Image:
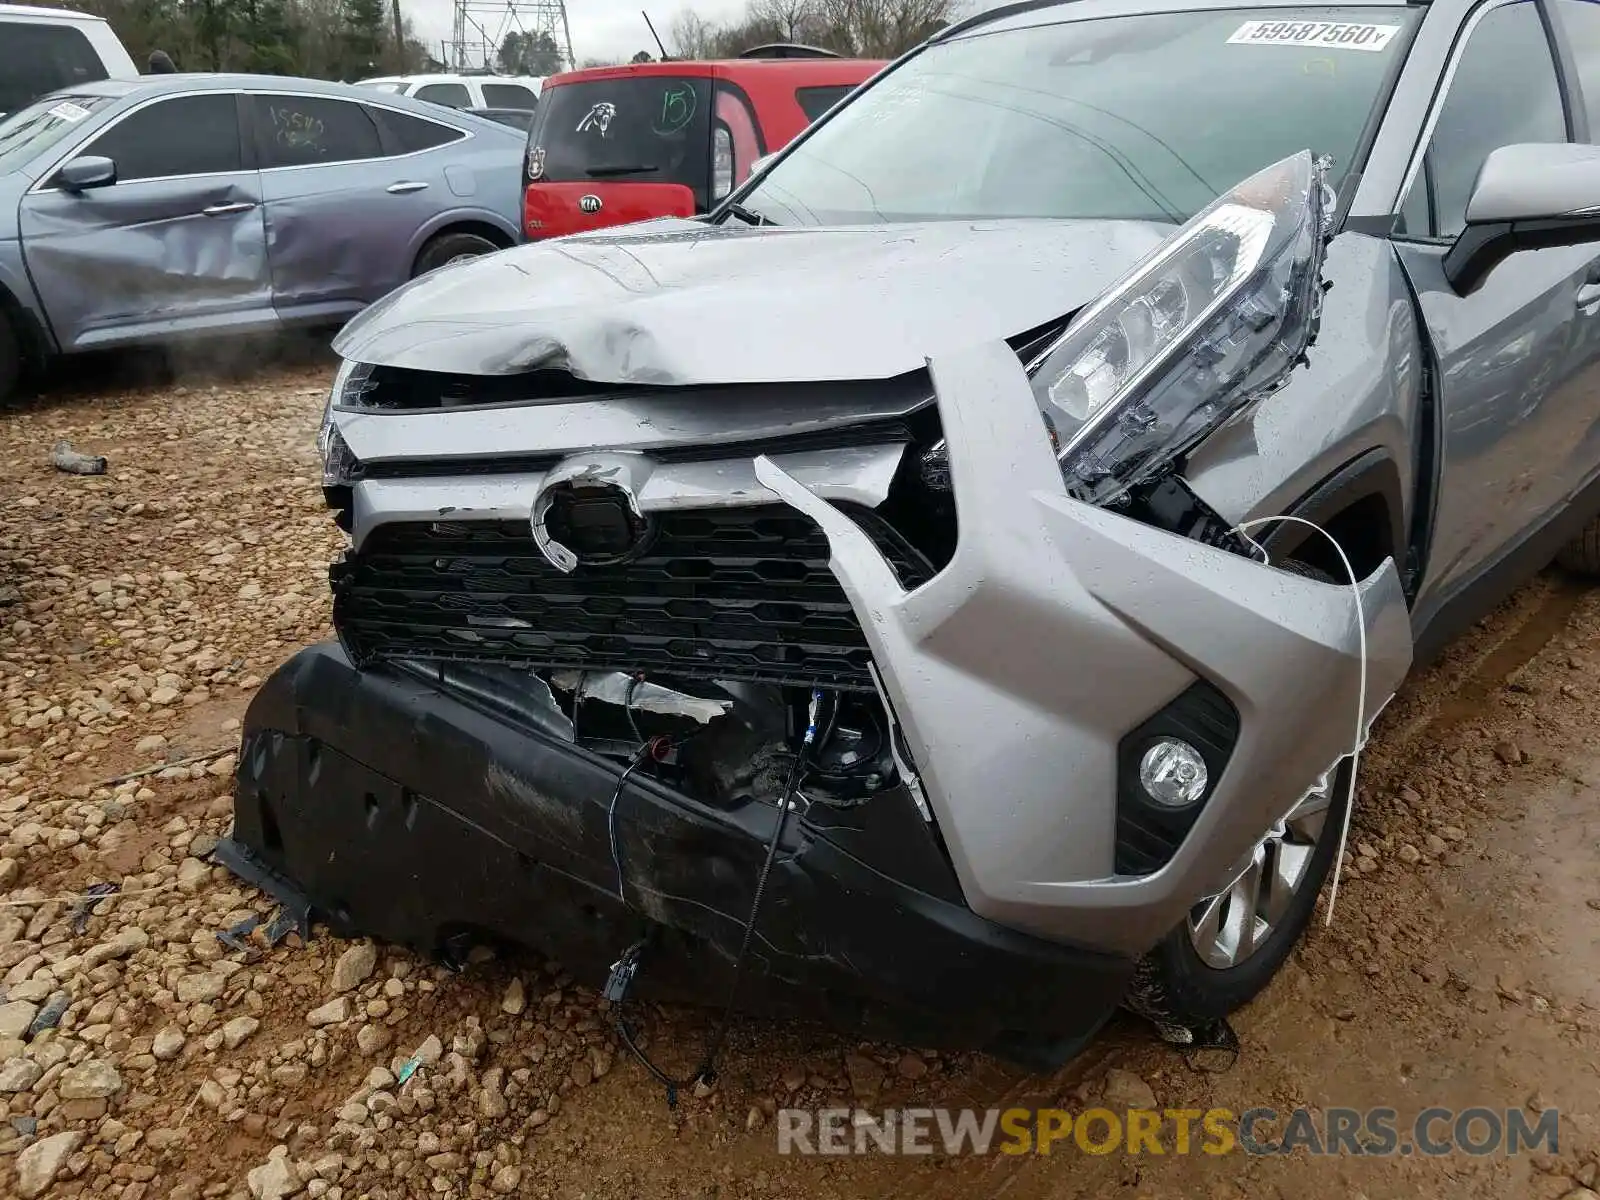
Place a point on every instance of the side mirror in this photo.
(90, 171)
(1528, 197)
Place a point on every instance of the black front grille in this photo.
(719, 593)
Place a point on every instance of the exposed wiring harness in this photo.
(626, 967)
(1242, 529)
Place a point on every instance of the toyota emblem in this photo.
(588, 511)
(589, 203)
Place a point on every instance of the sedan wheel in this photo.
(450, 248)
(10, 358)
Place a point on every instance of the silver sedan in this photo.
(171, 206)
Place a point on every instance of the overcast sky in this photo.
(600, 28)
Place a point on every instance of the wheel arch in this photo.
(1362, 506)
(488, 225)
(32, 337)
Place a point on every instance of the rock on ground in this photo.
(1124, 1089)
(354, 966)
(40, 1163)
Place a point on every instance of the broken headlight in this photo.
(1200, 330)
(339, 464)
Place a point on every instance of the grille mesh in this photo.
(720, 593)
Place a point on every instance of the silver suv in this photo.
(952, 582)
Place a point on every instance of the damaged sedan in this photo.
(947, 588)
(173, 207)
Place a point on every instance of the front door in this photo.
(175, 245)
(1516, 393)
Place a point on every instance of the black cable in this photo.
(622, 972)
(639, 756)
(708, 1070)
(627, 707)
(577, 704)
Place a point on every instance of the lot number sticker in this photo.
(1335, 35)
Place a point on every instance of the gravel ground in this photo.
(141, 1057)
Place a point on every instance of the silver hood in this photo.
(676, 302)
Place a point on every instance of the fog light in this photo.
(1173, 774)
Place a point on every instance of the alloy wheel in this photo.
(1229, 927)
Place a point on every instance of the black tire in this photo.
(10, 358)
(1187, 991)
(448, 247)
(1174, 986)
(1582, 554)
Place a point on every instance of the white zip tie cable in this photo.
(1361, 694)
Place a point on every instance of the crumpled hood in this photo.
(677, 302)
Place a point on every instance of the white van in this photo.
(42, 49)
(464, 91)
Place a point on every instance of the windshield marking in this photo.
(1336, 35)
(677, 110)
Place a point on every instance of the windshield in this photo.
(35, 129)
(1140, 117)
(385, 87)
(632, 129)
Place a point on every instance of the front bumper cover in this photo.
(394, 809)
(1055, 629)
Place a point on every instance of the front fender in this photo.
(1355, 401)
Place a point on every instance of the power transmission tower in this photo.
(480, 27)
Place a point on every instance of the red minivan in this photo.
(668, 139)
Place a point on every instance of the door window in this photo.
(35, 59)
(1580, 20)
(1504, 91)
(814, 101)
(508, 95)
(187, 135)
(452, 95)
(408, 133)
(303, 131)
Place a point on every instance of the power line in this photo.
(473, 48)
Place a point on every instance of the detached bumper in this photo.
(1021, 670)
(396, 810)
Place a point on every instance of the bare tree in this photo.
(794, 20)
(882, 28)
(858, 28)
(691, 35)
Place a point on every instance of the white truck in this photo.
(42, 49)
(464, 91)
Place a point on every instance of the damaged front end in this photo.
(568, 697)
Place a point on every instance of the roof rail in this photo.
(787, 50)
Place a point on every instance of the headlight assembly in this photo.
(1197, 333)
(339, 465)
